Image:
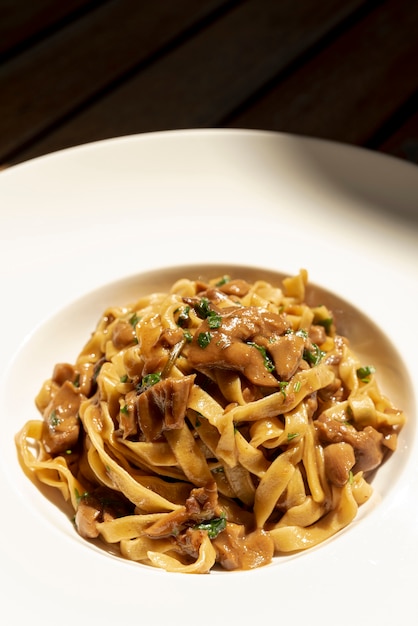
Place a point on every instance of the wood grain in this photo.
(23, 20)
(208, 75)
(72, 67)
(352, 88)
(84, 70)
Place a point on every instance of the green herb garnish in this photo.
(214, 320)
(134, 320)
(268, 363)
(81, 496)
(364, 373)
(204, 339)
(314, 356)
(283, 385)
(203, 309)
(183, 317)
(326, 323)
(54, 420)
(214, 526)
(148, 381)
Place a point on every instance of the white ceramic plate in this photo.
(77, 225)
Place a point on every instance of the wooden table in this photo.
(83, 70)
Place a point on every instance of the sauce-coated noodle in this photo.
(221, 423)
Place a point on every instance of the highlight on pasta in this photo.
(218, 425)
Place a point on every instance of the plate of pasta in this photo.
(207, 385)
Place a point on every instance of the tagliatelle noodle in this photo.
(218, 424)
(291, 538)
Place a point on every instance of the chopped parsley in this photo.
(291, 436)
(214, 526)
(364, 373)
(268, 363)
(134, 320)
(203, 309)
(314, 356)
(204, 339)
(183, 317)
(148, 381)
(283, 385)
(326, 323)
(223, 281)
(54, 420)
(81, 496)
(214, 320)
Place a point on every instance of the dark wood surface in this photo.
(82, 70)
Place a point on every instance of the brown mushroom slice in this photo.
(235, 549)
(339, 460)
(287, 353)
(237, 287)
(61, 425)
(63, 372)
(369, 449)
(128, 420)
(368, 444)
(317, 334)
(123, 334)
(163, 406)
(102, 505)
(200, 506)
(87, 515)
(230, 345)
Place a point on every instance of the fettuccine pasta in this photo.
(219, 424)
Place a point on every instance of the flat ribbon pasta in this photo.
(216, 425)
